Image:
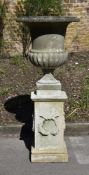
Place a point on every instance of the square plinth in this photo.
(49, 155)
(49, 122)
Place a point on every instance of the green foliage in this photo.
(40, 7)
(36, 8)
(82, 65)
(17, 60)
(2, 8)
(2, 71)
(20, 62)
(5, 90)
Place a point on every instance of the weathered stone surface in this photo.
(49, 121)
(45, 59)
(48, 82)
(48, 19)
(49, 155)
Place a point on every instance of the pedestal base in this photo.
(49, 155)
(49, 121)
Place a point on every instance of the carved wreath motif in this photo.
(48, 126)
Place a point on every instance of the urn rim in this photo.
(46, 19)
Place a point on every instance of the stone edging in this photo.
(77, 129)
(71, 129)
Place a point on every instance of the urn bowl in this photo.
(47, 38)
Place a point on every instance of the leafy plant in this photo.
(39, 7)
(36, 8)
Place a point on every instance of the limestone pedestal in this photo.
(49, 121)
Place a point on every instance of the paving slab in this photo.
(14, 158)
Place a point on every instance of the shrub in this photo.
(40, 7)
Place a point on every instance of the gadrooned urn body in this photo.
(47, 36)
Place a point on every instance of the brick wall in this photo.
(77, 37)
(12, 42)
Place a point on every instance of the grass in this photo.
(2, 71)
(73, 109)
(82, 65)
(84, 103)
(20, 62)
(17, 60)
(5, 90)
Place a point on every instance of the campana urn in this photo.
(47, 51)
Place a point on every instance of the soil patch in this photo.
(18, 77)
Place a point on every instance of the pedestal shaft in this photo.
(49, 122)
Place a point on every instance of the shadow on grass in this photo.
(22, 106)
